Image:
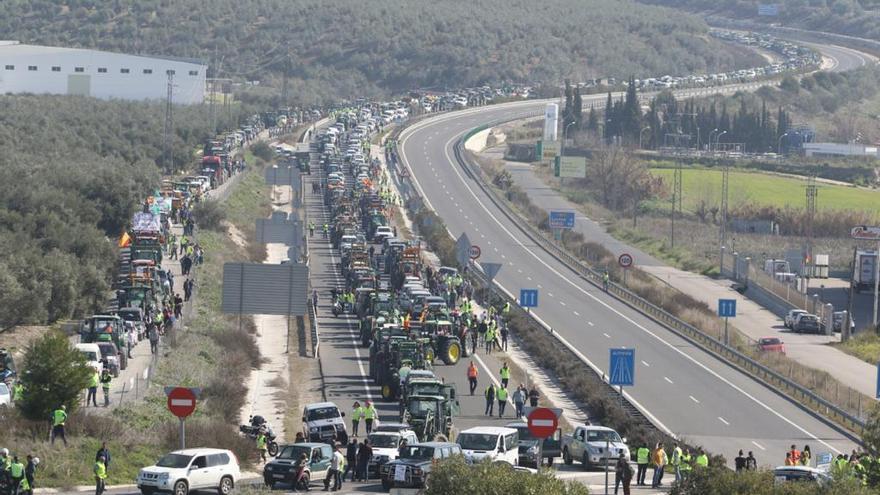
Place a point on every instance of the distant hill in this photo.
(347, 48)
(852, 17)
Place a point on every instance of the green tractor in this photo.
(442, 339)
(380, 351)
(401, 354)
(430, 416)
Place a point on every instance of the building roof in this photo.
(17, 48)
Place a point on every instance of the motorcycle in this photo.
(259, 425)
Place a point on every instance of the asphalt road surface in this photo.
(681, 388)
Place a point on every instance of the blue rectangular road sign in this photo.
(561, 219)
(727, 308)
(528, 298)
(622, 367)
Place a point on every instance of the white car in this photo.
(386, 446)
(322, 421)
(5, 395)
(192, 469)
(791, 317)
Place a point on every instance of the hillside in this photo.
(851, 17)
(340, 48)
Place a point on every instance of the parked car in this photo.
(532, 451)
(792, 316)
(837, 321)
(191, 469)
(385, 446)
(110, 355)
(283, 468)
(322, 421)
(412, 468)
(5, 395)
(784, 474)
(771, 344)
(92, 354)
(497, 444)
(593, 446)
(807, 323)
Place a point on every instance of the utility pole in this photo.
(812, 192)
(169, 125)
(725, 192)
(284, 88)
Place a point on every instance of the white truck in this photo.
(863, 275)
(592, 446)
(323, 422)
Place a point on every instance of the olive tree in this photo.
(54, 373)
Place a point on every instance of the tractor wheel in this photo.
(429, 355)
(451, 352)
(387, 392)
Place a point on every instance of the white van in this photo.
(498, 444)
(93, 355)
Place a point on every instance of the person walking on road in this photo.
(100, 471)
(505, 374)
(92, 395)
(659, 460)
(806, 456)
(519, 400)
(623, 474)
(153, 335)
(106, 378)
(676, 461)
(502, 400)
(15, 471)
(642, 456)
(262, 446)
(351, 459)
(533, 396)
(30, 473)
(365, 454)
(357, 413)
(370, 414)
(740, 462)
(474, 337)
(59, 417)
(490, 399)
(751, 462)
(505, 333)
(472, 376)
(337, 461)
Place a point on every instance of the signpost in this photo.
(182, 403)
(491, 270)
(462, 250)
(625, 261)
(726, 310)
(823, 461)
(622, 367)
(560, 219)
(572, 166)
(528, 298)
(870, 233)
(542, 422)
(474, 252)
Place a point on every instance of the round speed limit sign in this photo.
(625, 260)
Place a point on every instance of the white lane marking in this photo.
(723, 420)
(576, 313)
(590, 323)
(519, 270)
(562, 303)
(756, 444)
(528, 278)
(694, 399)
(646, 364)
(496, 249)
(549, 293)
(606, 335)
(607, 306)
(668, 380)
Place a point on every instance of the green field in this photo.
(765, 190)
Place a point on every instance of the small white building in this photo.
(840, 149)
(106, 75)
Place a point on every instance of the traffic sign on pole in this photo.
(560, 219)
(727, 308)
(542, 422)
(528, 298)
(625, 260)
(462, 250)
(474, 252)
(181, 401)
(491, 269)
(622, 367)
(866, 232)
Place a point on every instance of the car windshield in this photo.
(3, 389)
(771, 341)
(417, 452)
(294, 452)
(426, 389)
(107, 350)
(90, 356)
(177, 461)
(322, 413)
(129, 315)
(421, 407)
(602, 436)
(384, 441)
(524, 433)
(478, 441)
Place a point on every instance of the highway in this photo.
(682, 389)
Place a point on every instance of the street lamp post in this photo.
(779, 144)
(640, 135)
(718, 139)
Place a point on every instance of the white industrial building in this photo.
(106, 75)
(840, 149)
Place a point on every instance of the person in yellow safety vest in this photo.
(357, 413)
(506, 308)
(702, 460)
(59, 417)
(5, 460)
(676, 461)
(16, 473)
(490, 338)
(261, 446)
(18, 392)
(642, 455)
(685, 463)
(505, 375)
(94, 380)
(501, 394)
(370, 414)
(100, 471)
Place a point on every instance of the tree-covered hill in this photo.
(345, 48)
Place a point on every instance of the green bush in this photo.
(486, 478)
(722, 481)
(263, 151)
(209, 215)
(54, 374)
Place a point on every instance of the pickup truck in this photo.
(593, 446)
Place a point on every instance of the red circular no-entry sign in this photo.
(542, 422)
(181, 402)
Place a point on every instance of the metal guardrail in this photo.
(798, 393)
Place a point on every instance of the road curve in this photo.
(683, 389)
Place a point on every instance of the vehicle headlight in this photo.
(533, 449)
(594, 450)
(163, 476)
(313, 429)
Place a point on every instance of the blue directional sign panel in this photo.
(622, 367)
(528, 298)
(561, 219)
(727, 308)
